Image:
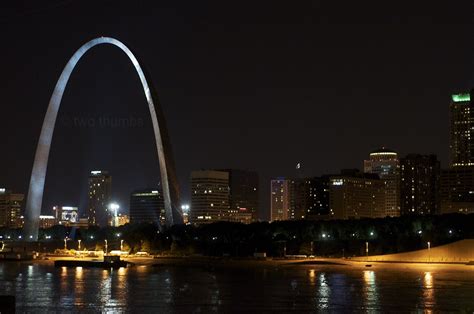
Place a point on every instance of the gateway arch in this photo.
(163, 148)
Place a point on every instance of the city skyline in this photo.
(316, 103)
(166, 156)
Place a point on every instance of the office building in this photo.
(10, 209)
(457, 190)
(243, 200)
(419, 184)
(147, 206)
(279, 199)
(462, 126)
(299, 198)
(210, 196)
(47, 221)
(457, 182)
(100, 184)
(354, 195)
(318, 198)
(384, 163)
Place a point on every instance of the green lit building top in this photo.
(461, 97)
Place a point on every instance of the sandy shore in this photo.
(249, 263)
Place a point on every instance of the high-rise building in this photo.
(100, 184)
(354, 195)
(385, 164)
(462, 127)
(243, 186)
(210, 196)
(318, 198)
(299, 198)
(279, 199)
(457, 183)
(147, 206)
(419, 184)
(457, 190)
(10, 209)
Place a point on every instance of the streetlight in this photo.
(105, 247)
(429, 248)
(121, 245)
(367, 250)
(79, 248)
(65, 243)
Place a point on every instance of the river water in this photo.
(310, 288)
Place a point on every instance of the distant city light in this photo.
(371, 233)
(324, 235)
(420, 232)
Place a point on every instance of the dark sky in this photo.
(256, 85)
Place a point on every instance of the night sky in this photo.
(251, 85)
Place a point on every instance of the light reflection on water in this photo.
(370, 290)
(41, 288)
(428, 290)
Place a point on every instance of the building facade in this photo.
(457, 190)
(318, 198)
(419, 184)
(354, 195)
(457, 182)
(243, 186)
(147, 206)
(210, 196)
(100, 186)
(462, 126)
(10, 209)
(385, 163)
(279, 199)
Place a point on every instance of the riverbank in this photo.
(220, 263)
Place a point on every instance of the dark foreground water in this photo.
(323, 288)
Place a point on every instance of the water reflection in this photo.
(324, 292)
(78, 286)
(370, 290)
(42, 289)
(428, 291)
(312, 276)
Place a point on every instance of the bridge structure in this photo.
(169, 182)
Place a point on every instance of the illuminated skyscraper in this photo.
(462, 127)
(10, 209)
(280, 199)
(457, 183)
(100, 184)
(210, 196)
(385, 164)
(419, 185)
